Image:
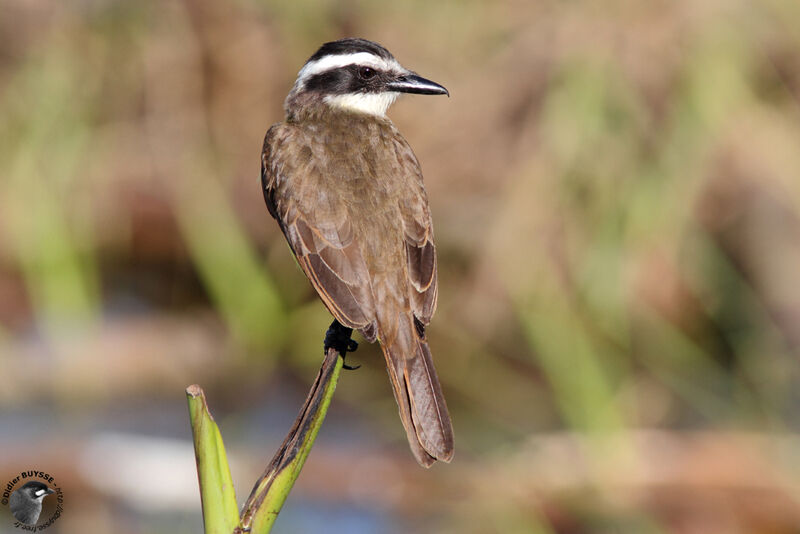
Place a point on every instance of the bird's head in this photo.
(35, 490)
(355, 75)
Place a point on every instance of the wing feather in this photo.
(323, 245)
(418, 231)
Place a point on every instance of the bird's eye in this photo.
(366, 73)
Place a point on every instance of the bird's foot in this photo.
(338, 337)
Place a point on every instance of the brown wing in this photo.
(418, 232)
(322, 239)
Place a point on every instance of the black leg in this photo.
(338, 337)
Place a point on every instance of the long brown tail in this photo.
(419, 395)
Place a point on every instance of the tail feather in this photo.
(419, 395)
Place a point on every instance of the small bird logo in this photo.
(347, 191)
(26, 502)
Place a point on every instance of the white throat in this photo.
(370, 103)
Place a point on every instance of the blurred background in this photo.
(617, 208)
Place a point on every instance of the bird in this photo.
(26, 502)
(347, 192)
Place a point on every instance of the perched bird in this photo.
(347, 192)
(26, 502)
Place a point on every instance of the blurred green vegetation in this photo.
(617, 206)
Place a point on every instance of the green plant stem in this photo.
(272, 488)
(220, 514)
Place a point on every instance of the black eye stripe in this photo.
(348, 79)
(331, 81)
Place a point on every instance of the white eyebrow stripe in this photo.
(334, 62)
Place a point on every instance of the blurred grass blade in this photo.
(573, 363)
(271, 490)
(220, 513)
(45, 114)
(241, 288)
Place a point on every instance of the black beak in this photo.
(411, 83)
